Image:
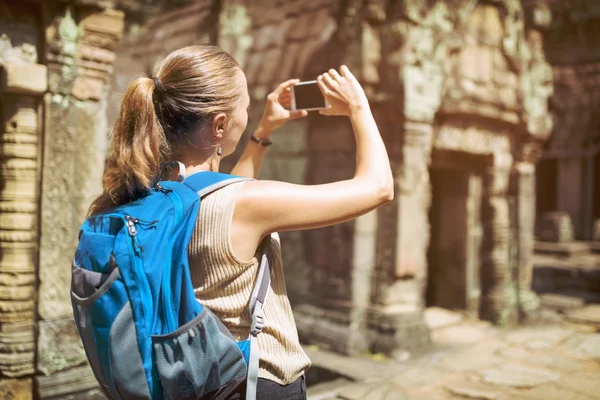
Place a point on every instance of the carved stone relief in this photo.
(22, 83)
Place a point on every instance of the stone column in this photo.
(409, 95)
(342, 256)
(80, 52)
(22, 87)
(499, 295)
(524, 175)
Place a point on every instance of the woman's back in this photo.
(224, 283)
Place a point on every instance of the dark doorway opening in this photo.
(546, 185)
(454, 254)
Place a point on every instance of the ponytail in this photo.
(193, 85)
(138, 147)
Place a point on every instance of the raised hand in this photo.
(343, 92)
(275, 113)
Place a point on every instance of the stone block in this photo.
(59, 346)
(24, 79)
(291, 140)
(331, 134)
(110, 22)
(16, 389)
(285, 168)
(17, 338)
(74, 155)
(437, 317)
(270, 63)
(560, 302)
(88, 88)
(596, 235)
(288, 66)
(270, 35)
(77, 383)
(556, 227)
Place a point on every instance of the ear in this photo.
(218, 125)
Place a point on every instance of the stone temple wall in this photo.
(55, 62)
(569, 175)
(459, 89)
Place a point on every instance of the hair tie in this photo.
(157, 85)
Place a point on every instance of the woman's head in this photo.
(194, 104)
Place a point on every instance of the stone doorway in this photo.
(596, 199)
(546, 185)
(454, 255)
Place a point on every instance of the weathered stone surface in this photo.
(73, 164)
(585, 346)
(24, 79)
(539, 338)
(439, 318)
(556, 227)
(59, 346)
(78, 382)
(16, 389)
(375, 391)
(518, 376)
(560, 302)
(470, 392)
(589, 314)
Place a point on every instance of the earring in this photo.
(219, 151)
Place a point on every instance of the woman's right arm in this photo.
(270, 206)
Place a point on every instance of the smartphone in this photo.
(307, 96)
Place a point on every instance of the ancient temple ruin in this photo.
(569, 172)
(460, 91)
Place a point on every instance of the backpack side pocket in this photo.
(198, 358)
(105, 324)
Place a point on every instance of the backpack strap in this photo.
(207, 182)
(257, 302)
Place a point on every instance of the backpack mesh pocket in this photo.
(103, 317)
(198, 358)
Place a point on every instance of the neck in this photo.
(212, 164)
(195, 165)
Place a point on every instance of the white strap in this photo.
(252, 380)
(257, 301)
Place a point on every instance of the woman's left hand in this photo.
(276, 112)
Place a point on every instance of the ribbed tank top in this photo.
(223, 283)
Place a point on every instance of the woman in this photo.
(194, 110)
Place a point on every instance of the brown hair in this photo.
(194, 85)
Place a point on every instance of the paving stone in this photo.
(539, 337)
(464, 333)
(518, 376)
(414, 378)
(480, 355)
(437, 317)
(513, 353)
(474, 393)
(373, 391)
(551, 392)
(587, 382)
(556, 362)
(583, 346)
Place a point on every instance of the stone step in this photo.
(560, 302)
(564, 249)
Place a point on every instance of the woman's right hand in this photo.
(343, 92)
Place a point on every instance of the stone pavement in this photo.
(557, 359)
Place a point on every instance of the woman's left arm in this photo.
(249, 163)
(275, 115)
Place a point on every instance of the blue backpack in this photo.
(144, 333)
